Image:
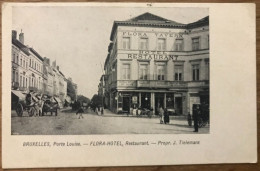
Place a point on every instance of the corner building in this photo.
(155, 62)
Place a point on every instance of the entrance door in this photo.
(178, 105)
(126, 104)
(159, 102)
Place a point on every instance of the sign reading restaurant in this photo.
(152, 55)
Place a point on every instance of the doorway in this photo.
(159, 102)
(178, 105)
(126, 104)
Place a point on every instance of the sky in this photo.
(78, 37)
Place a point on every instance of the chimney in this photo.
(58, 68)
(54, 64)
(48, 61)
(14, 34)
(21, 37)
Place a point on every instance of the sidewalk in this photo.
(107, 112)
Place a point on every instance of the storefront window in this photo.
(126, 72)
(143, 71)
(178, 72)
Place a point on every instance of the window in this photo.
(126, 42)
(143, 44)
(13, 57)
(179, 45)
(195, 43)
(23, 82)
(30, 62)
(126, 72)
(17, 59)
(207, 70)
(208, 41)
(161, 72)
(13, 76)
(21, 61)
(178, 70)
(26, 84)
(20, 85)
(195, 72)
(143, 71)
(16, 77)
(161, 44)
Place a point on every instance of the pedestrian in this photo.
(80, 110)
(196, 112)
(161, 114)
(166, 116)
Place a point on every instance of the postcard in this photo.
(128, 84)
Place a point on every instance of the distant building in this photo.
(154, 62)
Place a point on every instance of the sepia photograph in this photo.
(128, 84)
(76, 71)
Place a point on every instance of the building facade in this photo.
(153, 62)
(20, 63)
(32, 72)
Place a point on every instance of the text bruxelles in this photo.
(152, 55)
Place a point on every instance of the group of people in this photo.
(37, 103)
(164, 116)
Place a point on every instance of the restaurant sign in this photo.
(152, 55)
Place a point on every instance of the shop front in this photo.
(125, 102)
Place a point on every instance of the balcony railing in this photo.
(157, 84)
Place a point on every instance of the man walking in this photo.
(80, 110)
(196, 111)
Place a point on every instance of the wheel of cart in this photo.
(19, 109)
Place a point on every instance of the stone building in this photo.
(20, 63)
(153, 62)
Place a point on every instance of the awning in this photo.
(19, 94)
(57, 99)
(68, 99)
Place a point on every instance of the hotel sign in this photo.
(152, 55)
(161, 35)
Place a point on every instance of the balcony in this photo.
(123, 84)
(157, 84)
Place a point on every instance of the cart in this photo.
(28, 105)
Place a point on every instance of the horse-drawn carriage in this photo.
(34, 104)
(29, 104)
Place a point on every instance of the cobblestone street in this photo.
(67, 123)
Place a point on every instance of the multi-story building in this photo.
(36, 71)
(20, 63)
(153, 62)
(30, 71)
(50, 77)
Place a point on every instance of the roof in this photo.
(21, 46)
(201, 22)
(36, 54)
(150, 20)
(146, 19)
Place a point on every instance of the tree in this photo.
(96, 100)
(83, 99)
(71, 90)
